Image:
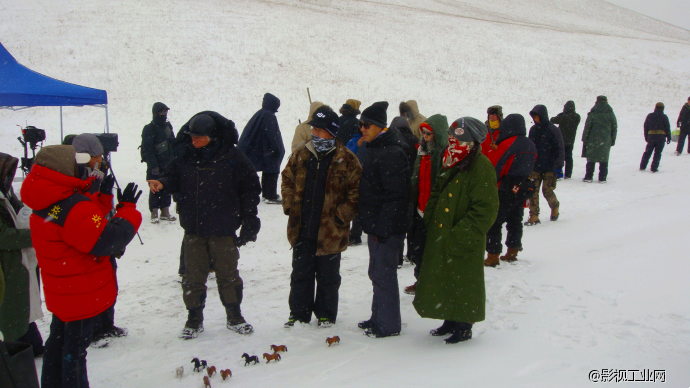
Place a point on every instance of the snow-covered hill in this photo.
(604, 287)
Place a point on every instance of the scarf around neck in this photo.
(456, 151)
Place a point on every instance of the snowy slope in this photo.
(604, 287)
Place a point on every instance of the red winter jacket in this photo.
(74, 242)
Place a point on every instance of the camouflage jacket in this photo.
(341, 198)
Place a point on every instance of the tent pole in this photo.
(61, 136)
(107, 124)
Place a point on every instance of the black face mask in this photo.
(160, 119)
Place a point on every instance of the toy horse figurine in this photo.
(211, 370)
(248, 359)
(207, 382)
(225, 374)
(271, 357)
(332, 340)
(279, 348)
(197, 364)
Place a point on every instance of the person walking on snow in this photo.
(683, 123)
(461, 209)
(262, 142)
(218, 192)
(320, 188)
(550, 155)
(598, 137)
(657, 131)
(424, 172)
(157, 139)
(568, 121)
(384, 208)
(513, 162)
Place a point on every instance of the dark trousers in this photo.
(511, 212)
(198, 253)
(383, 272)
(33, 337)
(415, 243)
(269, 185)
(105, 321)
(684, 132)
(603, 170)
(308, 268)
(64, 362)
(568, 160)
(655, 147)
(356, 229)
(158, 201)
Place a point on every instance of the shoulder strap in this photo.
(57, 212)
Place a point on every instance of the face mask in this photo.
(322, 145)
(456, 151)
(494, 124)
(160, 119)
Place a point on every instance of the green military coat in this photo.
(600, 132)
(451, 281)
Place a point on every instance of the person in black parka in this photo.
(513, 161)
(157, 152)
(657, 131)
(348, 123)
(684, 124)
(568, 121)
(263, 144)
(217, 193)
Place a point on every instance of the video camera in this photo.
(30, 138)
(109, 141)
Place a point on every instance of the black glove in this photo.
(107, 185)
(250, 229)
(130, 194)
(613, 143)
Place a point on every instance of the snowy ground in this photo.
(604, 287)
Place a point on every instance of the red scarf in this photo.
(455, 152)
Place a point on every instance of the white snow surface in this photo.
(604, 287)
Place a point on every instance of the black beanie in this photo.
(376, 114)
(202, 125)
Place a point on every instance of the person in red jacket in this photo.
(494, 118)
(74, 242)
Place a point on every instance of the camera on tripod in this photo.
(30, 138)
(109, 141)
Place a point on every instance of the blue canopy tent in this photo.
(22, 88)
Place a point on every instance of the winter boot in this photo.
(511, 255)
(364, 325)
(154, 216)
(194, 325)
(554, 214)
(462, 332)
(355, 241)
(292, 320)
(444, 329)
(325, 323)
(491, 260)
(410, 290)
(165, 215)
(533, 220)
(235, 321)
(588, 179)
(274, 201)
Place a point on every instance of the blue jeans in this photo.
(64, 361)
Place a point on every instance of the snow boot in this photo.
(491, 260)
(555, 214)
(364, 325)
(462, 332)
(588, 180)
(166, 216)
(154, 216)
(410, 290)
(325, 323)
(444, 329)
(235, 321)
(511, 255)
(533, 220)
(194, 325)
(292, 320)
(273, 201)
(376, 333)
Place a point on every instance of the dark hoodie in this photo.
(348, 123)
(401, 125)
(157, 139)
(657, 127)
(384, 190)
(549, 141)
(515, 155)
(568, 122)
(261, 139)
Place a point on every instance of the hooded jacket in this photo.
(261, 140)
(568, 121)
(217, 187)
(600, 133)
(415, 118)
(548, 140)
(72, 237)
(684, 117)
(411, 141)
(303, 130)
(492, 133)
(439, 124)
(657, 127)
(514, 158)
(384, 190)
(157, 140)
(348, 124)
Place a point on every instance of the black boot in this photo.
(194, 325)
(236, 321)
(446, 328)
(462, 332)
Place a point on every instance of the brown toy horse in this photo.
(225, 374)
(332, 340)
(271, 357)
(279, 348)
(207, 382)
(211, 370)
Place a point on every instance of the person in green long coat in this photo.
(462, 207)
(598, 137)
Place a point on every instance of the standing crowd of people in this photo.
(445, 188)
